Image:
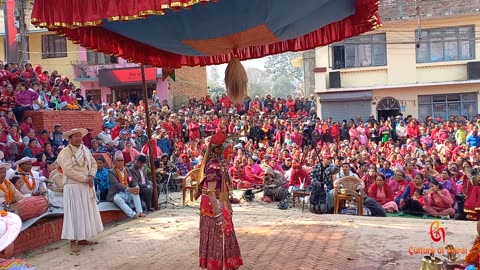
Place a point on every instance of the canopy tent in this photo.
(176, 33)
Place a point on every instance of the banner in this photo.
(125, 76)
(11, 45)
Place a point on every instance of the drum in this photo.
(30, 207)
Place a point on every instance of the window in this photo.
(445, 106)
(446, 44)
(96, 58)
(54, 46)
(363, 51)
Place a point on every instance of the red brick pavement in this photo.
(269, 239)
(169, 240)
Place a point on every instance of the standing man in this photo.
(137, 171)
(81, 216)
(321, 200)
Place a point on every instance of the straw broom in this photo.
(236, 81)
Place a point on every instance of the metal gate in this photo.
(340, 110)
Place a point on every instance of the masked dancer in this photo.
(218, 244)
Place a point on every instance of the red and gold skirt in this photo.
(214, 244)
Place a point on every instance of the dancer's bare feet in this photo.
(74, 248)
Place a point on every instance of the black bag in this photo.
(283, 205)
(248, 195)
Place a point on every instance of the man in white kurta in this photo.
(30, 178)
(81, 216)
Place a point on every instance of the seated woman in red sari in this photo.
(4, 144)
(26, 125)
(129, 153)
(253, 172)
(398, 185)
(183, 164)
(409, 202)
(7, 99)
(446, 180)
(471, 189)
(218, 243)
(299, 179)
(438, 201)
(383, 194)
(33, 150)
(238, 175)
(157, 152)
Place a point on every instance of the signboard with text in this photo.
(125, 76)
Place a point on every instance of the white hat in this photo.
(10, 225)
(25, 159)
(117, 155)
(5, 165)
(69, 133)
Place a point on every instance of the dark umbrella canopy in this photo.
(168, 33)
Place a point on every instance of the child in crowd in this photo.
(10, 226)
(417, 196)
(102, 183)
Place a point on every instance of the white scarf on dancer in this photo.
(80, 157)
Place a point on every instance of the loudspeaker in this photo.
(335, 81)
(473, 70)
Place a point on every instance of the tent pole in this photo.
(149, 135)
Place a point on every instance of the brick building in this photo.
(189, 82)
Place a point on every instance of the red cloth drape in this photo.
(90, 12)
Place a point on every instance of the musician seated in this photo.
(274, 185)
(55, 186)
(34, 185)
(9, 194)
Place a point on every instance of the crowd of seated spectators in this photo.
(406, 165)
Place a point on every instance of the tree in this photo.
(215, 85)
(281, 70)
(283, 87)
(216, 91)
(259, 82)
(213, 75)
(23, 9)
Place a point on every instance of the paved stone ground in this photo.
(269, 239)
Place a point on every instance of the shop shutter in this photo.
(346, 110)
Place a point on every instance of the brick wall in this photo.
(39, 235)
(403, 9)
(189, 81)
(49, 230)
(68, 120)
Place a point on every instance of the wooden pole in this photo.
(149, 135)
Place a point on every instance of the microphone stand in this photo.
(168, 200)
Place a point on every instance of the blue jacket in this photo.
(164, 145)
(473, 141)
